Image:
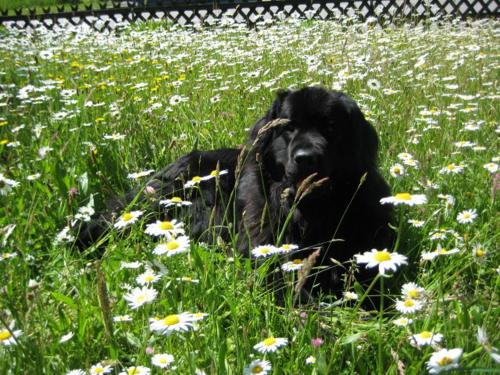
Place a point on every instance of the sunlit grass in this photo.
(79, 112)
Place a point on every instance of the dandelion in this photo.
(271, 344)
(128, 218)
(258, 366)
(173, 246)
(439, 251)
(444, 360)
(397, 170)
(402, 322)
(140, 296)
(293, 265)
(136, 370)
(147, 278)
(381, 258)
(9, 336)
(426, 338)
(99, 369)
(172, 323)
(409, 306)
(413, 291)
(165, 228)
(405, 198)
(175, 201)
(264, 251)
(467, 216)
(162, 360)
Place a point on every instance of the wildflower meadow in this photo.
(87, 116)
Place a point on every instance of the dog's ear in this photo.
(272, 114)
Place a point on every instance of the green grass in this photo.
(423, 87)
(41, 5)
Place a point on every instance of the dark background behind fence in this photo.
(111, 14)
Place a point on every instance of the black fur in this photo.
(326, 136)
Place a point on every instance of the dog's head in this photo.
(325, 133)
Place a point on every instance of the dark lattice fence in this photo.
(111, 14)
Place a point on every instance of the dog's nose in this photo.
(305, 157)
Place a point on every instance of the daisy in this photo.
(293, 265)
(452, 169)
(408, 306)
(148, 277)
(350, 296)
(397, 170)
(373, 84)
(99, 369)
(6, 256)
(188, 279)
(175, 201)
(402, 322)
(138, 297)
(137, 175)
(173, 246)
(444, 360)
(311, 360)
(478, 251)
(258, 366)
(439, 251)
(405, 198)
(122, 318)
(193, 182)
(413, 291)
(271, 344)
(381, 258)
(491, 167)
(162, 360)
(176, 99)
(66, 337)
(136, 370)
(76, 372)
(130, 265)
(264, 251)
(6, 184)
(128, 218)
(198, 316)
(426, 338)
(286, 248)
(172, 323)
(165, 228)
(416, 223)
(9, 336)
(467, 216)
(215, 173)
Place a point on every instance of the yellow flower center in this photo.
(382, 256)
(5, 335)
(163, 361)
(426, 335)
(133, 371)
(257, 369)
(480, 252)
(265, 250)
(297, 261)
(166, 225)
(186, 278)
(171, 320)
(397, 170)
(442, 251)
(409, 303)
(450, 167)
(196, 179)
(172, 245)
(413, 293)
(176, 200)
(403, 196)
(98, 370)
(270, 341)
(127, 217)
(445, 361)
(149, 278)
(214, 173)
(141, 298)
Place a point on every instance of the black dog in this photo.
(308, 176)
